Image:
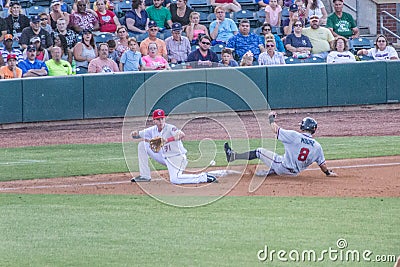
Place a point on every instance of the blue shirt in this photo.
(131, 60)
(242, 44)
(226, 29)
(27, 65)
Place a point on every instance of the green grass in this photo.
(92, 230)
(72, 160)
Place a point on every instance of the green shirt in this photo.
(60, 69)
(160, 16)
(342, 26)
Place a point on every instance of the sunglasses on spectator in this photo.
(270, 45)
(206, 43)
(121, 31)
(154, 30)
(298, 25)
(42, 19)
(381, 41)
(266, 29)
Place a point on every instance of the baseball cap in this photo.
(88, 30)
(30, 48)
(35, 18)
(13, 3)
(158, 113)
(34, 39)
(11, 56)
(8, 37)
(293, 8)
(314, 17)
(152, 23)
(176, 26)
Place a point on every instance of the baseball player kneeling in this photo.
(162, 142)
(301, 150)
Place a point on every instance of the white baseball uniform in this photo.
(301, 150)
(172, 155)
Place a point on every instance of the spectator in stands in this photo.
(178, 46)
(302, 10)
(226, 5)
(162, 48)
(131, 59)
(203, 55)
(316, 7)
(16, 21)
(70, 35)
(56, 13)
(247, 60)
(271, 56)
(3, 29)
(32, 67)
(227, 58)
(267, 29)
(246, 41)
(340, 52)
(35, 31)
(82, 19)
(56, 65)
(381, 51)
(222, 28)
(44, 18)
(293, 17)
(180, 12)
(137, 19)
(321, 38)
(86, 50)
(122, 41)
(297, 44)
(112, 53)
(342, 23)
(102, 64)
(263, 4)
(41, 53)
(87, 5)
(195, 28)
(273, 13)
(8, 49)
(10, 71)
(60, 41)
(108, 21)
(153, 61)
(160, 14)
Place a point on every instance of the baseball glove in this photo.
(156, 143)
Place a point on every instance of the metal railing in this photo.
(383, 28)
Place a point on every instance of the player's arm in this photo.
(327, 172)
(179, 135)
(272, 123)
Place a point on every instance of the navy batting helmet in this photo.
(308, 124)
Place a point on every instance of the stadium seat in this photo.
(260, 15)
(103, 38)
(43, 3)
(314, 60)
(81, 70)
(250, 5)
(291, 60)
(217, 49)
(246, 14)
(365, 58)
(200, 5)
(359, 43)
(35, 10)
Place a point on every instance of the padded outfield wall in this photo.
(108, 95)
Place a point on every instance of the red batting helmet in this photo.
(158, 113)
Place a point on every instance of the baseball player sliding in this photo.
(301, 150)
(162, 142)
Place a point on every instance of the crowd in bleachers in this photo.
(64, 37)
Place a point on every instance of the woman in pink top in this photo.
(194, 29)
(154, 62)
(273, 13)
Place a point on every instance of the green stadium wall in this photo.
(198, 91)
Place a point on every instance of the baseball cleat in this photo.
(211, 178)
(140, 179)
(230, 154)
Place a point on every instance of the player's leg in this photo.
(176, 165)
(232, 155)
(269, 158)
(144, 152)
